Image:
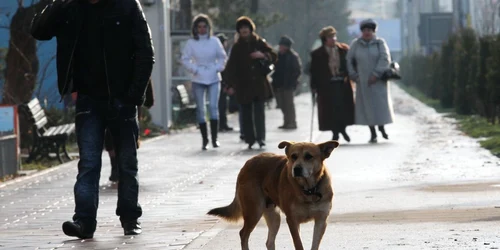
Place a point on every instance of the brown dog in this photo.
(298, 183)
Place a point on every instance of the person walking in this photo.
(330, 82)
(247, 70)
(105, 54)
(367, 60)
(223, 98)
(285, 81)
(204, 57)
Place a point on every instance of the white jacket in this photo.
(204, 59)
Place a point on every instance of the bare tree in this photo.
(22, 63)
(486, 16)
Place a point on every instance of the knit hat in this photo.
(286, 41)
(245, 21)
(368, 23)
(327, 32)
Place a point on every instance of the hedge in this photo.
(464, 75)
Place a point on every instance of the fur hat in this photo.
(286, 41)
(327, 32)
(199, 19)
(245, 21)
(368, 23)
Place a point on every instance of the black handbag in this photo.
(391, 73)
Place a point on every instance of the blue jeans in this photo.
(200, 91)
(92, 119)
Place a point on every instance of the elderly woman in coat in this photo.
(329, 79)
(367, 60)
(245, 75)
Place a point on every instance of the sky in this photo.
(6, 118)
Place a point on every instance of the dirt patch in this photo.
(420, 216)
(460, 188)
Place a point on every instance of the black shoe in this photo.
(346, 136)
(204, 135)
(79, 229)
(290, 127)
(335, 137)
(373, 140)
(282, 127)
(242, 137)
(261, 144)
(131, 227)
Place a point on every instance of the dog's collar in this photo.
(314, 190)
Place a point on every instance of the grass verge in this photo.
(472, 125)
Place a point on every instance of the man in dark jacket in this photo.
(105, 54)
(285, 81)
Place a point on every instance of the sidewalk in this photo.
(179, 184)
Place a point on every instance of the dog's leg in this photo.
(253, 204)
(273, 220)
(295, 232)
(319, 231)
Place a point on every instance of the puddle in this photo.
(462, 215)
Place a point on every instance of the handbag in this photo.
(391, 73)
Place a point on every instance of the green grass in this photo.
(472, 125)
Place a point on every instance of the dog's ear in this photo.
(285, 145)
(327, 148)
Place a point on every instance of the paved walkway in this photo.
(179, 183)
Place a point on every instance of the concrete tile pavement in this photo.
(179, 183)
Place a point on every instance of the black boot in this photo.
(204, 135)
(382, 130)
(214, 129)
(345, 135)
(373, 138)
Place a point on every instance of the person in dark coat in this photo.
(223, 97)
(330, 82)
(245, 74)
(108, 139)
(285, 81)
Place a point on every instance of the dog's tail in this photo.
(231, 213)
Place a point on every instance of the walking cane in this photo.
(312, 116)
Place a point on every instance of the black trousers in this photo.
(254, 121)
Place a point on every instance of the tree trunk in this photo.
(21, 60)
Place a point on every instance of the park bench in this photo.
(183, 109)
(47, 140)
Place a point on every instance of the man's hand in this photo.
(257, 55)
(372, 80)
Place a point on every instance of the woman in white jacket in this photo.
(204, 57)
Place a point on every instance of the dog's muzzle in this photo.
(298, 171)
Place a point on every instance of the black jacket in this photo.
(287, 71)
(128, 50)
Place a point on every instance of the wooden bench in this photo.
(47, 140)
